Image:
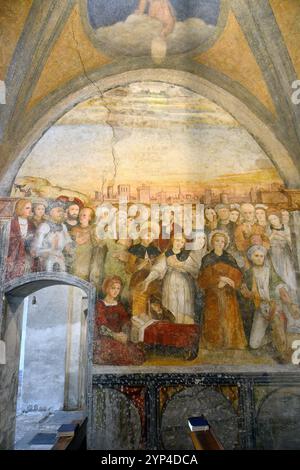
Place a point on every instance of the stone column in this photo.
(6, 213)
(9, 372)
(10, 337)
(76, 362)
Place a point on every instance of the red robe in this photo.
(108, 350)
(17, 250)
(222, 326)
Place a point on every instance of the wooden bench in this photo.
(76, 442)
(205, 440)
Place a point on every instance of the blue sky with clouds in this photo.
(107, 13)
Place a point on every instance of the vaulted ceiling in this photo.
(51, 58)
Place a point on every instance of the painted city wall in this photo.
(161, 200)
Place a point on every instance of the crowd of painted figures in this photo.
(240, 286)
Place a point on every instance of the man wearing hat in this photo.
(224, 222)
(249, 232)
(235, 213)
(52, 239)
(261, 215)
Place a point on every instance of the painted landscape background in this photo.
(216, 304)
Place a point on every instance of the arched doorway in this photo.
(16, 292)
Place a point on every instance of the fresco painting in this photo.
(156, 27)
(232, 299)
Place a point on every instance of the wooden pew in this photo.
(76, 442)
(205, 440)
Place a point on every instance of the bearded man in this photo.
(72, 216)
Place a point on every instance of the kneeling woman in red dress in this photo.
(112, 328)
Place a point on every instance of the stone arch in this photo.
(15, 292)
(195, 401)
(256, 127)
(26, 285)
(277, 428)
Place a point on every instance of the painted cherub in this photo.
(162, 11)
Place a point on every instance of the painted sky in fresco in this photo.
(163, 136)
(106, 13)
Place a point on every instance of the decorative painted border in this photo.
(245, 381)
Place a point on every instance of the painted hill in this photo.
(32, 186)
